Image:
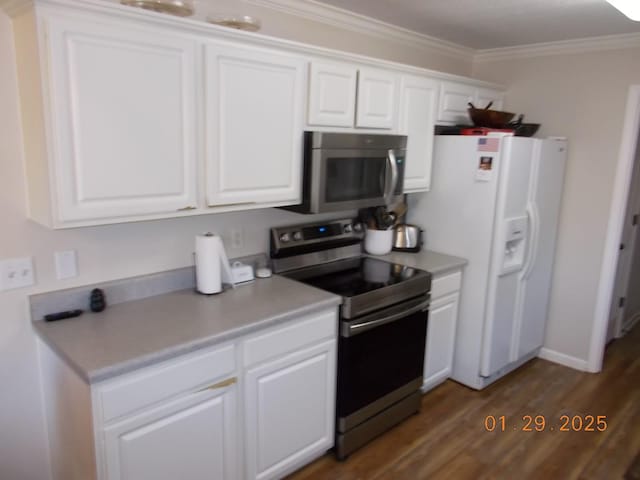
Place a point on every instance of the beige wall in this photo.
(116, 251)
(582, 97)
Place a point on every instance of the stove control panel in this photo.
(315, 236)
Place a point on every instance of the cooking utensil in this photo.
(524, 129)
(489, 118)
(407, 238)
(400, 210)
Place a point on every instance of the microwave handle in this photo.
(393, 183)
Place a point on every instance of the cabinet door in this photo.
(377, 99)
(454, 99)
(289, 411)
(192, 438)
(123, 120)
(255, 104)
(484, 96)
(332, 95)
(441, 332)
(418, 98)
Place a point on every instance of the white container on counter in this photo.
(378, 242)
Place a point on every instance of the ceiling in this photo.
(484, 24)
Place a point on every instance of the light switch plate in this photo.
(66, 264)
(16, 273)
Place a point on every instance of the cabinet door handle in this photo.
(183, 209)
(222, 384)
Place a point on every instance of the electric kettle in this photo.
(407, 238)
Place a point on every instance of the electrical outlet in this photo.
(66, 264)
(237, 239)
(16, 273)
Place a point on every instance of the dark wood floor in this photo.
(448, 439)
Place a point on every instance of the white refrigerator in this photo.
(495, 201)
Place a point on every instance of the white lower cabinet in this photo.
(258, 407)
(441, 329)
(192, 438)
(289, 411)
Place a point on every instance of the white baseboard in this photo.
(564, 359)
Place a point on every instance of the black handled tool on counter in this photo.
(52, 317)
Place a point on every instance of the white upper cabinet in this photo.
(377, 98)
(455, 99)
(129, 116)
(418, 101)
(332, 94)
(254, 125)
(123, 120)
(346, 95)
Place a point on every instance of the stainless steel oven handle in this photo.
(357, 328)
(393, 165)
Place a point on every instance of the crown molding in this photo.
(566, 47)
(338, 17)
(13, 8)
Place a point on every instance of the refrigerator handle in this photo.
(532, 247)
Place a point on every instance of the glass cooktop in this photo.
(355, 276)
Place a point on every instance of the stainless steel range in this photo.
(383, 324)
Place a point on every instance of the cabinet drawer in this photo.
(446, 284)
(154, 384)
(297, 334)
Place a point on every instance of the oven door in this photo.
(380, 359)
(346, 179)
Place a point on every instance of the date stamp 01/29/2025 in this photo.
(540, 423)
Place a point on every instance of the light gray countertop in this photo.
(433, 262)
(139, 333)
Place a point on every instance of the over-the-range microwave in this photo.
(344, 171)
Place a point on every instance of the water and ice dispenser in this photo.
(515, 244)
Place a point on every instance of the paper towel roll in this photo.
(208, 265)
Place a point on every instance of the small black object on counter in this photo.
(52, 317)
(97, 301)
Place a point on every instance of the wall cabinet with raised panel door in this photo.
(455, 98)
(441, 329)
(123, 110)
(257, 407)
(122, 122)
(418, 102)
(254, 125)
(348, 95)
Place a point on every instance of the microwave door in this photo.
(350, 179)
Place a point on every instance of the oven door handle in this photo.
(393, 183)
(349, 329)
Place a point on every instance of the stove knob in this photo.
(347, 228)
(297, 236)
(357, 227)
(285, 237)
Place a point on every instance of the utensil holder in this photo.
(378, 242)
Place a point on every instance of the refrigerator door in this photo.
(544, 200)
(458, 214)
(509, 253)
